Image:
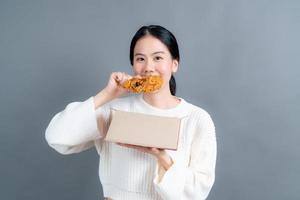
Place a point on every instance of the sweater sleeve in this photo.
(75, 128)
(195, 181)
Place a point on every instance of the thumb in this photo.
(155, 150)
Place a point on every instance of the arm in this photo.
(195, 181)
(76, 127)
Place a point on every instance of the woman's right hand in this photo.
(114, 87)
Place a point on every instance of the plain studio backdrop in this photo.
(240, 62)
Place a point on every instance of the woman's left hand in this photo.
(162, 156)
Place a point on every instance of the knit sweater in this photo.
(129, 174)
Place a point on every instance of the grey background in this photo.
(240, 62)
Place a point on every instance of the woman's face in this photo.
(152, 57)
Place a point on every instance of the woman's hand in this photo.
(162, 156)
(114, 87)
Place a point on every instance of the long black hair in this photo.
(166, 37)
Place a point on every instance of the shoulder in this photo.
(197, 111)
(200, 115)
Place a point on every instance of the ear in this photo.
(175, 66)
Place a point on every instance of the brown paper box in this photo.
(144, 130)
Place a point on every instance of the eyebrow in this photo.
(140, 54)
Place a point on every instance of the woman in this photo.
(135, 172)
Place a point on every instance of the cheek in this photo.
(136, 68)
(165, 72)
(164, 68)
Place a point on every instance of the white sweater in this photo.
(128, 174)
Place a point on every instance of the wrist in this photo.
(101, 98)
(165, 160)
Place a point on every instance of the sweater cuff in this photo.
(170, 183)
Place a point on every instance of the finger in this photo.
(137, 76)
(121, 144)
(140, 148)
(117, 76)
(126, 145)
(126, 77)
(122, 77)
(155, 150)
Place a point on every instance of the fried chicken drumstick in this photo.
(144, 84)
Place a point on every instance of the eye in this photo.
(139, 59)
(158, 58)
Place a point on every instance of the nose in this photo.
(149, 68)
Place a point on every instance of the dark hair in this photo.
(166, 37)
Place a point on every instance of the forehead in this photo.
(149, 44)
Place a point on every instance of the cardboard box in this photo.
(144, 130)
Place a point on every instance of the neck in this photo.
(162, 100)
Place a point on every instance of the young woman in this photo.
(129, 172)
